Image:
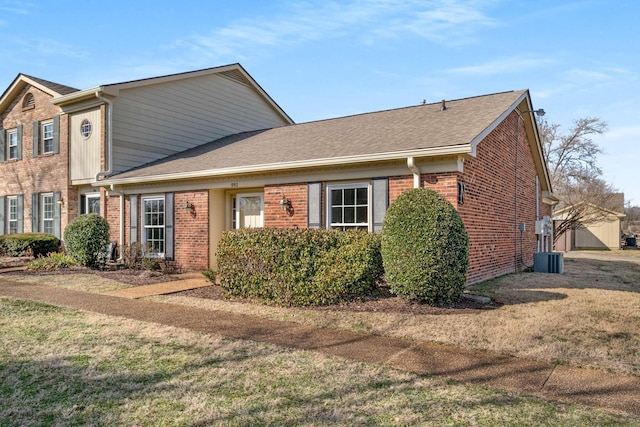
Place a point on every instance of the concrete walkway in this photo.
(563, 383)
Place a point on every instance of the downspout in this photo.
(416, 172)
(109, 112)
(121, 237)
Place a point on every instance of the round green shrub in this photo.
(86, 237)
(425, 248)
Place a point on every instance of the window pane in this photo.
(349, 215)
(361, 214)
(349, 196)
(336, 197)
(362, 196)
(336, 215)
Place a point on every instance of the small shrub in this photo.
(86, 238)
(425, 248)
(53, 261)
(210, 275)
(299, 267)
(24, 244)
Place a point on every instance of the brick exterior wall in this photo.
(192, 230)
(497, 245)
(276, 217)
(46, 173)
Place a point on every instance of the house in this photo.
(33, 157)
(174, 161)
(601, 228)
(56, 142)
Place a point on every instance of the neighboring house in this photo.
(602, 228)
(33, 157)
(171, 162)
(56, 141)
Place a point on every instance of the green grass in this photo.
(66, 368)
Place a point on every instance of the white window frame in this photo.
(12, 214)
(90, 198)
(12, 143)
(149, 244)
(47, 217)
(349, 225)
(47, 137)
(235, 212)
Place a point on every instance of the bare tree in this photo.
(585, 197)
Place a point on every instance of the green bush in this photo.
(53, 261)
(425, 248)
(299, 267)
(86, 237)
(36, 244)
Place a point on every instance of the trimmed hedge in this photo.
(299, 267)
(38, 244)
(425, 248)
(86, 237)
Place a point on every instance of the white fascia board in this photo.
(76, 96)
(333, 161)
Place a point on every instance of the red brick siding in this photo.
(45, 173)
(488, 209)
(192, 230)
(276, 217)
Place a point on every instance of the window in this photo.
(12, 215)
(247, 211)
(47, 137)
(85, 128)
(348, 206)
(47, 220)
(90, 203)
(12, 136)
(153, 223)
(28, 102)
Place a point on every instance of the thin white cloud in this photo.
(448, 22)
(48, 47)
(502, 66)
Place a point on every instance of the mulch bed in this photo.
(383, 302)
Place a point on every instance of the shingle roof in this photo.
(421, 127)
(56, 87)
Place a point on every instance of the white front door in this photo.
(249, 210)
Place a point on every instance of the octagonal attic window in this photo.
(85, 128)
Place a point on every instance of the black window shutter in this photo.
(35, 197)
(20, 213)
(2, 147)
(83, 204)
(19, 147)
(36, 138)
(314, 208)
(133, 219)
(380, 202)
(3, 225)
(169, 250)
(56, 134)
(57, 215)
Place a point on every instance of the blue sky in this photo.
(321, 59)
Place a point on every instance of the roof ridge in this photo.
(408, 106)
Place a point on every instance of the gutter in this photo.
(109, 113)
(415, 170)
(236, 170)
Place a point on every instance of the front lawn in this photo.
(65, 367)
